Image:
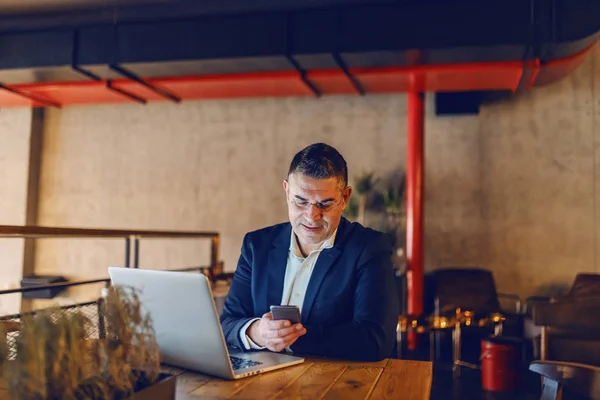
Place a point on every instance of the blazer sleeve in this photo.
(238, 308)
(371, 335)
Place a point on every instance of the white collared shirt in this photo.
(297, 276)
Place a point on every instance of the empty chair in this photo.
(472, 292)
(564, 380)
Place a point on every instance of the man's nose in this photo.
(313, 212)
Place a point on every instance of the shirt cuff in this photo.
(246, 341)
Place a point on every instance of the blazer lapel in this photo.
(323, 265)
(277, 263)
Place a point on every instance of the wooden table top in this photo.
(313, 379)
(316, 379)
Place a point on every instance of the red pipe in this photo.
(414, 202)
(480, 76)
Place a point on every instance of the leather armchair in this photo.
(570, 324)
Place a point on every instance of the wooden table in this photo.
(316, 379)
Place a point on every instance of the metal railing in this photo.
(93, 329)
(132, 238)
(53, 286)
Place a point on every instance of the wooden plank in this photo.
(188, 382)
(355, 383)
(10, 326)
(314, 383)
(372, 364)
(409, 380)
(272, 383)
(168, 369)
(221, 388)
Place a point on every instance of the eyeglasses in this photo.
(326, 206)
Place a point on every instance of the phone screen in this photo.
(290, 313)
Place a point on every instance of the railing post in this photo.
(136, 252)
(214, 257)
(127, 248)
(544, 344)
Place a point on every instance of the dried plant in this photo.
(3, 348)
(130, 337)
(55, 361)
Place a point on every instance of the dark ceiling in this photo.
(101, 41)
(35, 6)
(8, 7)
(36, 14)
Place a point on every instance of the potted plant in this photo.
(364, 183)
(54, 360)
(351, 210)
(393, 200)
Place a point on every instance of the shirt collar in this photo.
(327, 244)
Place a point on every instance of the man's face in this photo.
(315, 207)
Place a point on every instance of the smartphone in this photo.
(290, 313)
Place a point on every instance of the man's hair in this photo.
(320, 161)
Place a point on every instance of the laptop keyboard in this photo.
(240, 363)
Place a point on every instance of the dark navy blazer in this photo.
(350, 309)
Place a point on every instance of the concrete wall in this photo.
(15, 127)
(194, 166)
(513, 189)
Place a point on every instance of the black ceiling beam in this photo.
(75, 59)
(311, 86)
(355, 83)
(130, 75)
(131, 96)
(90, 75)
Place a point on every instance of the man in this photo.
(338, 273)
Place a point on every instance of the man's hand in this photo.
(274, 335)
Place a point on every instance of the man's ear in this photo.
(347, 193)
(285, 185)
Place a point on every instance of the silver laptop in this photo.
(187, 325)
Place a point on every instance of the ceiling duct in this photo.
(458, 46)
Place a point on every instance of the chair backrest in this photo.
(571, 378)
(585, 285)
(471, 289)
